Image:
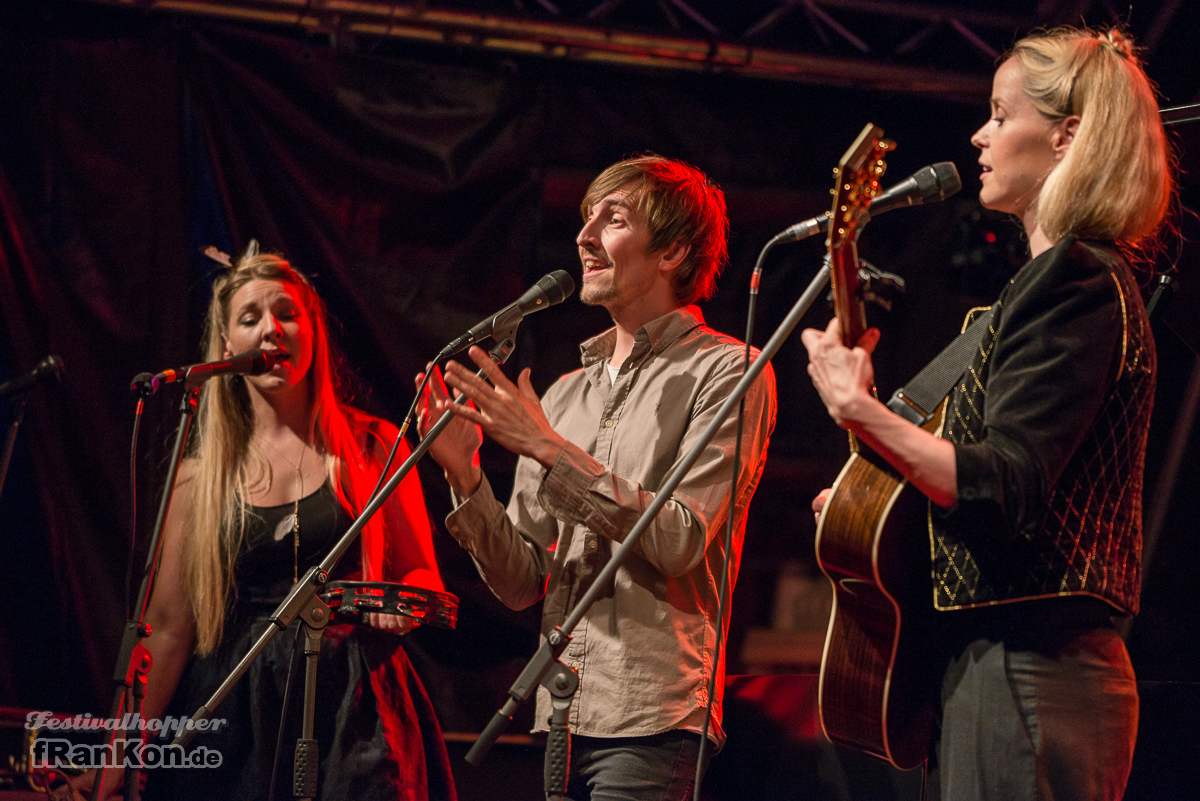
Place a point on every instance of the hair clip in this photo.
(1118, 40)
(219, 257)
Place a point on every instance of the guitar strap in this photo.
(917, 401)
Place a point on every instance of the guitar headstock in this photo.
(856, 183)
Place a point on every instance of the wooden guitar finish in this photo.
(872, 541)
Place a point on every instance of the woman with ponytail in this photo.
(1035, 484)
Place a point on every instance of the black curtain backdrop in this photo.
(424, 189)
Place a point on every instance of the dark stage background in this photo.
(425, 187)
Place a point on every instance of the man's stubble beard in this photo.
(592, 295)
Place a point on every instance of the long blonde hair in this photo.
(1115, 182)
(227, 460)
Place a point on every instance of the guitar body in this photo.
(872, 544)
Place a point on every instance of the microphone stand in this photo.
(544, 667)
(304, 602)
(134, 659)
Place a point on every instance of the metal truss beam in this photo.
(588, 42)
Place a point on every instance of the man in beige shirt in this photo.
(593, 452)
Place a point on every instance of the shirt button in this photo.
(591, 545)
(454, 529)
(608, 423)
(575, 666)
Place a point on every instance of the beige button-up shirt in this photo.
(644, 652)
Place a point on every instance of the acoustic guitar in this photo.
(871, 542)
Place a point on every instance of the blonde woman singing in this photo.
(1035, 486)
(277, 473)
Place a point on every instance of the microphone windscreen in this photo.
(558, 286)
(946, 175)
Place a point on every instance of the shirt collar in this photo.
(659, 333)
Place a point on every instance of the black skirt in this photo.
(374, 724)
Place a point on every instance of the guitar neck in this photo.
(856, 183)
(847, 300)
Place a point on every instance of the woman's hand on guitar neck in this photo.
(844, 377)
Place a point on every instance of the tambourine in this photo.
(351, 600)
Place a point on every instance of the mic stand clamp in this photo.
(520, 691)
(302, 601)
(503, 327)
(546, 669)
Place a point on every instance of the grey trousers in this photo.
(1041, 708)
(660, 767)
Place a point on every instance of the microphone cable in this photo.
(408, 416)
(133, 515)
(723, 591)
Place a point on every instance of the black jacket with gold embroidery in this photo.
(1049, 426)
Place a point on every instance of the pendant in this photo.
(285, 527)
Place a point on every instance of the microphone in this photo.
(252, 362)
(926, 185)
(552, 289)
(49, 367)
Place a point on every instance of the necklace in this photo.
(294, 523)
